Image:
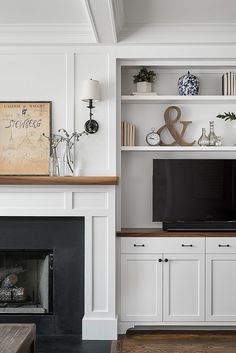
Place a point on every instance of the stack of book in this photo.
(229, 84)
(127, 134)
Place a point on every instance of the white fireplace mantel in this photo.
(96, 203)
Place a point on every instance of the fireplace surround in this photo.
(52, 278)
(96, 205)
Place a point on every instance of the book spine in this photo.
(122, 133)
(228, 84)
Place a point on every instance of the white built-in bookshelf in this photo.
(147, 112)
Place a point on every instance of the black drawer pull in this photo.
(223, 245)
(159, 260)
(140, 245)
(166, 260)
(187, 245)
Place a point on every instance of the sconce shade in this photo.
(91, 90)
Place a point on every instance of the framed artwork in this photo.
(23, 149)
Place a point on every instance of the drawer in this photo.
(163, 245)
(143, 245)
(221, 245)
(185, 245)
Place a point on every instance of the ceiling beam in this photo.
(106, 19)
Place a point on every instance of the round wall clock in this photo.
(153, 138)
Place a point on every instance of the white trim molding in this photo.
(51, 33)
(180, 33)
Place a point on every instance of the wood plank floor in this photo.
(177, 342)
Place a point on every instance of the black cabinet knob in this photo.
(159, 260)
(166, 260)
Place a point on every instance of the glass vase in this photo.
(212, 136)
(68, 160)
(54, 166)
(204, 140)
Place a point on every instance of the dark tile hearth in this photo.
(70, 344)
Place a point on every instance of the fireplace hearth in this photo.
(42, 273)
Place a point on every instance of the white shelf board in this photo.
(178, 149)
(178, 99)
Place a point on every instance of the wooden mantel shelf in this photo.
(49, 180)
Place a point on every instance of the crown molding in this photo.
(182, 33)
(49, 33)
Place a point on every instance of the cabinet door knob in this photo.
(166, 260)
(140, 245)
(159, 260)
(223, 245)
(187, 245)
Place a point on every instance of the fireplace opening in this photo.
(26, 278)
(42, 267)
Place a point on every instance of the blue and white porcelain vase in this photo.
(188, 85)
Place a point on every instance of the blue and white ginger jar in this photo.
(188, 85)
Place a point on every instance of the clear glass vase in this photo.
(54, 165)
(68, 160)
(204, 140)
(212, 136)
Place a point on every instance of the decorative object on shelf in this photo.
(54, 161)
(218, 141)
(204, 139)
(229, 84)
(170, 126)
(212, 136)
(91, 93)
(188, 85)
(153, 138)
(66, 168)
(144, 80)
(23, 150)
(68, 157)
(227, 116)
(127, 134)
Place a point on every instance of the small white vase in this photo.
(144, 87)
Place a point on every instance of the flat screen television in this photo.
(194, 194)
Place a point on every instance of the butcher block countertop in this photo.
(158, 232)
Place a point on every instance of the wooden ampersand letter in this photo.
(170, 125)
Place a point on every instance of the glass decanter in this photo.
(203, 140)
(212, 136)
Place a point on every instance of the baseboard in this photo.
(99, 329)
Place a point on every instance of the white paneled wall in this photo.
(58, 77)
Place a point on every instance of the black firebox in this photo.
(42, 273)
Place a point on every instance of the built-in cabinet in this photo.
(182, 281)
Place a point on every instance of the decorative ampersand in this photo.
(170, 126)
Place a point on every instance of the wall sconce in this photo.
(90, 94)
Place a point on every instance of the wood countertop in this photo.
(158, 232)
(51, 180)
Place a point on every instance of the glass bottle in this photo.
(68, 160)
(212, 136)
(204, 140)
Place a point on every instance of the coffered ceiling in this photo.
(117, 21)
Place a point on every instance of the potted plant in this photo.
(144, 80)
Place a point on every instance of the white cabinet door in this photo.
(141, 287)
(184, 278)
(221, 287)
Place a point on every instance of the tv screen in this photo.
(194, 190)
